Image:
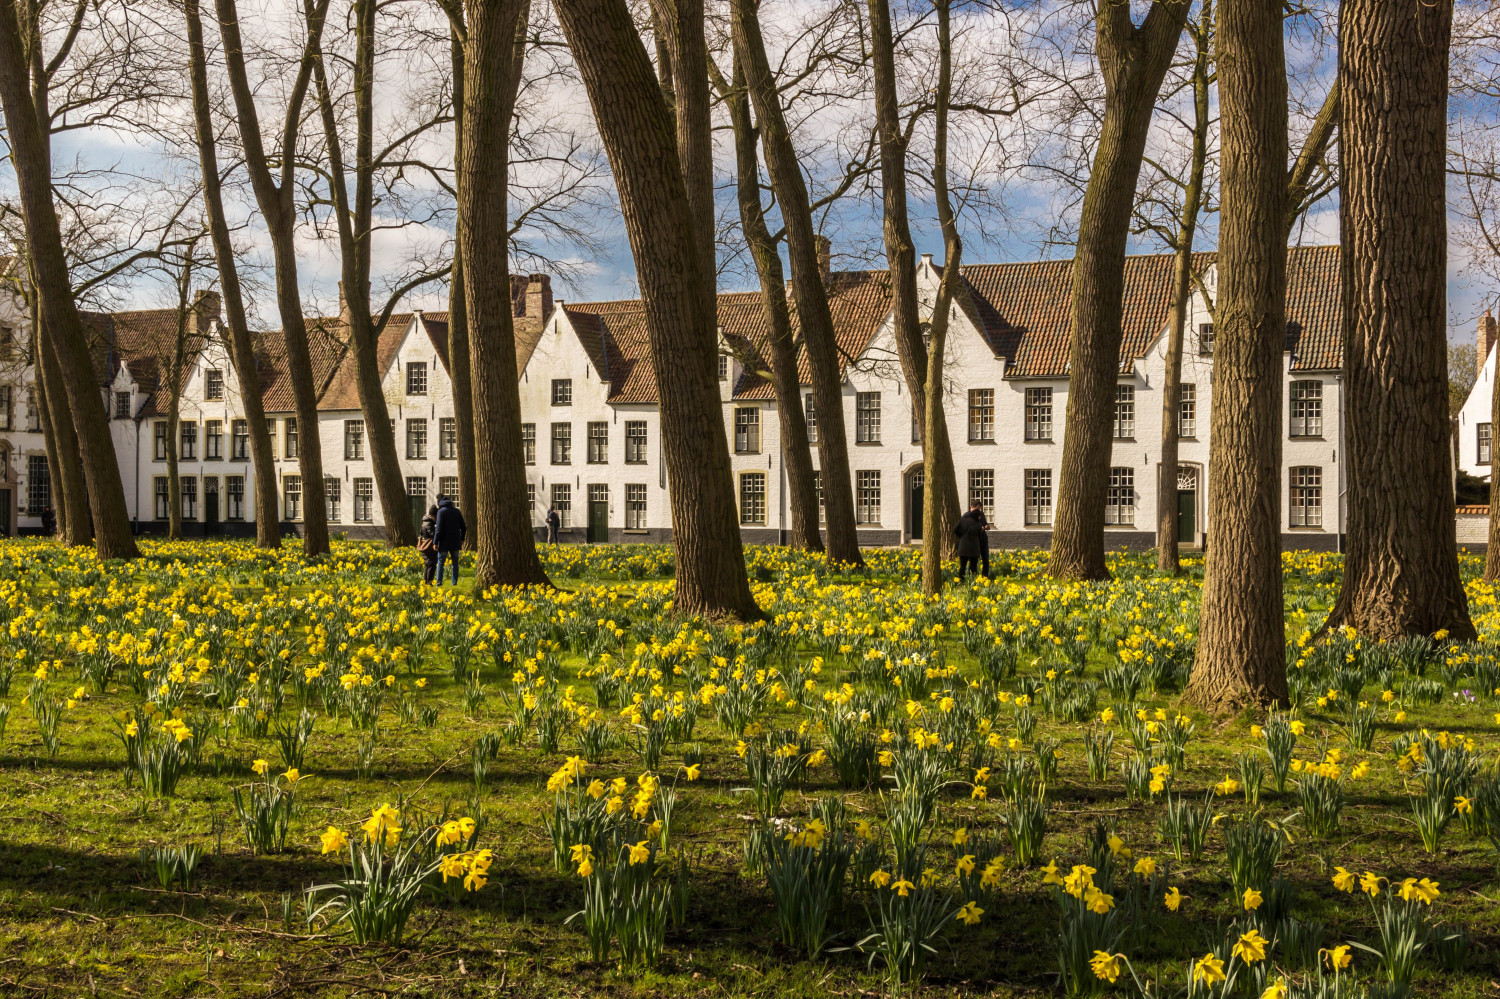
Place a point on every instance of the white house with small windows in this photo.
(1475, 429)
(591, 427)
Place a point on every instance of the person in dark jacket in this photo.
(971, 541)
(427, 545)
(984, 536)
(49, 522)
(448, 531)
(553, 523)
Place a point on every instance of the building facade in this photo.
(591, 425)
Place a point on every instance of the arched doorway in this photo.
(1187, 504)
(915, 482)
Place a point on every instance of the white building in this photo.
(592, 430)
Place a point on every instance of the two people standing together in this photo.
(440, 538)
(972, 531)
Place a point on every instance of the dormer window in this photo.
(1206, 339)
(416, 378)
(562, 391)
(122, 405)
(723, 367)
(213, 384)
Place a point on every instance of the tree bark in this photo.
(680, 24)
(30, 158)
(354, 225)
(638, 135)
(1401, 570)
(937, 462)
(785, 381)
(901, 257)
(275, 200)
(174, 404)
(70, 495)
(1241, 640)
(241, 346)
(809, 291)
(459, 368)
(493, 51)
(1133, 61)
(49, 441)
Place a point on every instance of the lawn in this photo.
(868, 791)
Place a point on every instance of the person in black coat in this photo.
(984, 536)
(449, 531)
(971, 541)
(49, 522)
(553, 523)
(427, 545)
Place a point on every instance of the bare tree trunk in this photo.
(49, 440)
(1133, 60)
(1401, 570)
(937, 462)
(809, 291)
(30, 159)
(65, 463)
(1182, 293)
(275, 200)
(680, 24)
(241, 347)
(354, 224)
(174, 403)
(901, 257)
(459, 369)
(493, 51)
(801, 484)
(638, 135)
(1241, 641)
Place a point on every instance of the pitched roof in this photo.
(275, 379)
(343, 388)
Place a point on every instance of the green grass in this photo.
(81, 914)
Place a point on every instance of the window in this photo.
(1307, 497)
(562, 443)
(364, 500)
(528, 443)
(332, 493)
(213, 440)
(1187, 411)
(163, 497)
(447, 438)
(38, 484)
(213, 384)
(33, 414)
(291, 497)
(271, 434)
(234, 497)
(159, 441)
(122, 406)
(416, 439)
(1307, 409)
(1205, 338)
(448, 486)
(531, 497)
(416, 377)
(867, 418)
(747, 430)
(562, 502)
(1124, 412)
(293, 442)
(416, 491)
(723, 367)
(354, 440)
(188, 485)
(599, 493)
(1485, 445)
(1038, 496)
(239, 444)
(982, 488)
(635, 442)
(981, 415)
(753, 498)
(867, 497)
(562, 391)
(635, 508)
(1119, 506)
(916, 426)
(1039, 414)
(818, 488)
(812, 418)
(7, 409)
(598, 444)
(188, 431)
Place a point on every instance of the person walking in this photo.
(553, 523)
(449, 530)
(984, 537)
(427, 545)
(49, 522)
(971, 541)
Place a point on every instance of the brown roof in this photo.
(142, 342)
(343, 389)
(270, 365)
(528, 329)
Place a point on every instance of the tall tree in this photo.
(937, 462)
(241, 346)
(184, 345)
(1241, 642)
(679, 29)
(459, 361)
(276, 200)
(639, 136)
(70, 498)
(1133, 60)
(809, 291)
(494, 45)
(1401, 569)
(785, 379)
(901, 256)
(30, 156)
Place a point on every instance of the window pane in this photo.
(867, 497)
(1038, 496)
(981, 415)
(1119, 507)
(753, 498)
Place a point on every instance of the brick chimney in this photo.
(539, 297)
(1484, 340)
(204, 311)
(825, 256)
